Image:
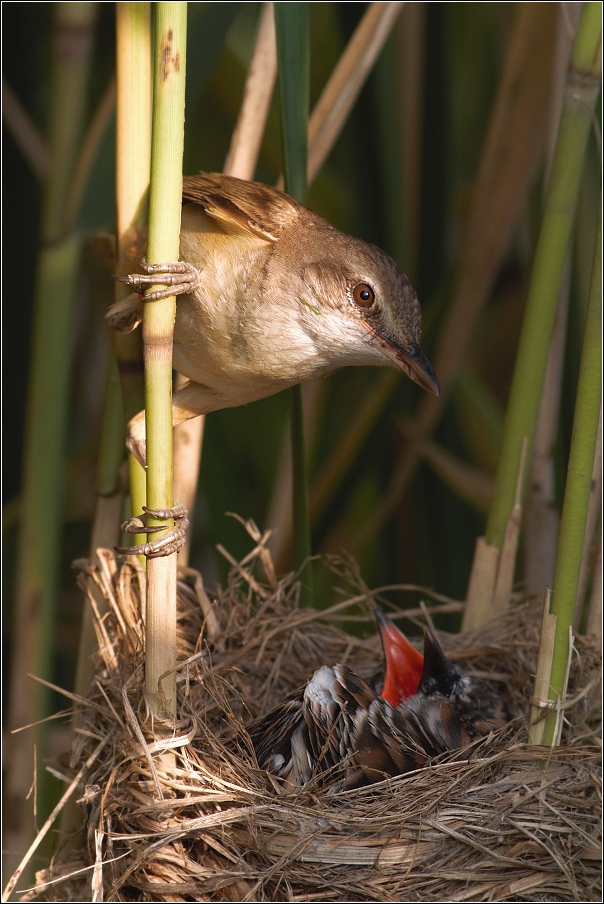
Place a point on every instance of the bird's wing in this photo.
(392, 741)
(271, 734)
(315, 728)
(383, 746)
(325, 721)
(241, 207)
(335, 703)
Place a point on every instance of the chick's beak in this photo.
(438, 675)
(415, 364)
(404, 664)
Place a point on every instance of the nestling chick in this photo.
(272, 295)
(338, 723)
(281, 738)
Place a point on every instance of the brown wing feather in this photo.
(271, 733)
(241, 206)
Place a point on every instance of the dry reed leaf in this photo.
(511, 153)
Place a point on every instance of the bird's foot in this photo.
(179, 277)
(166, 545)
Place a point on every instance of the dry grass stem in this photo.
(507, 559)
(349, 76)
(90, 146)
(49, 822)
(482, 582)
(541, 702)
(247, 137)
(30, 141)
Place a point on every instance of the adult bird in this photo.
(269, 295)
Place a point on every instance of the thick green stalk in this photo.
(581, 92)
(47, 411)
(291, 24)
(165, 200)
(133, 165)
(133, 153)
(578, 484)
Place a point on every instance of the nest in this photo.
(181, 812)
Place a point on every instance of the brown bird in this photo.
(343, 727)
(272, 295)
(279, 737)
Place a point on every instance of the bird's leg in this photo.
(179, 277)
(166, 545)
(188, 402)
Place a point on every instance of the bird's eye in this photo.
(363, 295)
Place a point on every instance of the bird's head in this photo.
(357, 304)
(385, 304)
(477, 700)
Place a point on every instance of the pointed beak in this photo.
(415, 364)
(439, 675)
(404, 663)
(410, 358)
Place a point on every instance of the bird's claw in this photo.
(166, 545)
(179, 277)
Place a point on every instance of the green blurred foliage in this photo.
(430, 539)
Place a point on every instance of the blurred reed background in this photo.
(403, 175)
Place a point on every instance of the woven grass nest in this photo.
(201, 822)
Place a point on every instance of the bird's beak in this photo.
(411, 359)
(415, 364)
(404, 663)
(439, 675)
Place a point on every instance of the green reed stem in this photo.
(578, 485)
(133, 165)
(49, 392)
(583, 83)
(165, 201)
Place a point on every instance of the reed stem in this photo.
(578, 485)
(240, 162)
(133, 166)
(582, 89)
(165, 201)
(291, 24)
(47, 414)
